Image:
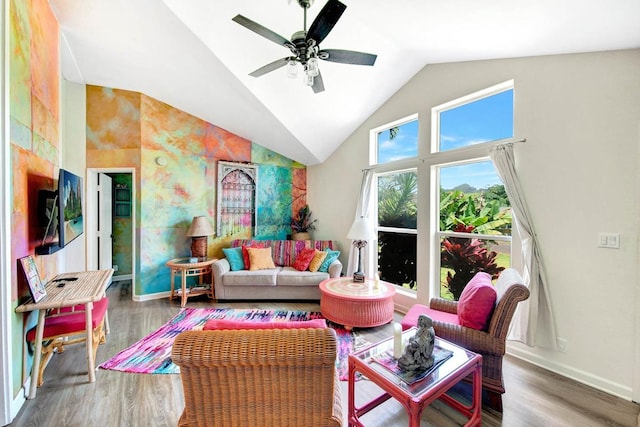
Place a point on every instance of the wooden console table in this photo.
(81, 288)
(186, 268)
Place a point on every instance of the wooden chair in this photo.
(266, 377)
(67, 325)
(491, 344)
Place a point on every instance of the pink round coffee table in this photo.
(360, 305)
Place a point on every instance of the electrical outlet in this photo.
(562, 345)
(115, 267)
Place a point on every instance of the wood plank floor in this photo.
(535, 397)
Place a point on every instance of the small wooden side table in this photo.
(186, 268)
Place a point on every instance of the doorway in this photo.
(111, 219)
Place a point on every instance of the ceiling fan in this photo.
(305, 45)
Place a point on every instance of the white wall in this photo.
(579, 169)
(74, 159)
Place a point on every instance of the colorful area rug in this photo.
(152, 354)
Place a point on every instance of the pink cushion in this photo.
(411, 318)
(477, 302)
(303, 259)
(71, 323)
(239, 324)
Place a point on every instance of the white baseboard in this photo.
(583, 377)
(149, 297)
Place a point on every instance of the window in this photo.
(395, 141)
(397, 206)
(474, 228)
(442, 212)
(397, 227)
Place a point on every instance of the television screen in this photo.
(70, 198)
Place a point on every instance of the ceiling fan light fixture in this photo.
(312, 67)
(292, 69)
(308, 79)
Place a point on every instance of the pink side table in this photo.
(361, 305)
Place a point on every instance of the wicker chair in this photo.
(491, 344)
(268, 377)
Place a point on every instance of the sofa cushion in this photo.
(260, 259)
(284, 252)
(289, 276)
(316, 262)
(245, 253)
(302, 261)
(477, 302)
(331, 256)
(238, 324)
(251, 278)
(235, 258)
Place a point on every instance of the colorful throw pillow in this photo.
(260, 259)
(245, 254)
(331, 256)
(235, 258)
(477, 302)
(238, 324)
(302, 261)
(316, 262)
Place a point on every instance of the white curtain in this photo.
(533, 322)
(362, 209)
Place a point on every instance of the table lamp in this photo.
(360, 232)
(199, 230)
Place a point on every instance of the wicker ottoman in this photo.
(361, 305)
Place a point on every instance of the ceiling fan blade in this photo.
(269, 67)
(325, 21)
(318, 84)
(347, 56)
(263, 31)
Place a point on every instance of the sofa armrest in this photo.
(335, 268)
(219, 268)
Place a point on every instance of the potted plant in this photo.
(302, 224)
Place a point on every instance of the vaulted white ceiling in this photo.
(191, 55)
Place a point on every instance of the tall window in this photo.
(474, 228)
(397, 207)
(442, 212)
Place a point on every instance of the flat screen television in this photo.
(70, 204)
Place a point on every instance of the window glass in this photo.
(397, 227)
(483, 120)
(474, 227)
(397, 142)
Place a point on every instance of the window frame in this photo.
(428, 247)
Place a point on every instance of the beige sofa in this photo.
(280, 283)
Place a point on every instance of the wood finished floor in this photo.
(535, 397)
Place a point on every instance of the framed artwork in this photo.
(237, 184)
(36, 286)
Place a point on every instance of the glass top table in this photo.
(415, 397)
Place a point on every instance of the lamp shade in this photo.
(200, 226)
(360, 230)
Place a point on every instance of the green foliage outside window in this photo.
(484, 211)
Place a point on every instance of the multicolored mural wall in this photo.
(34, 114)
(175, 157)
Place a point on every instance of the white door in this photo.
(105, 222)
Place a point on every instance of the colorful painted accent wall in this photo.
(175, 156)
(34, 111)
